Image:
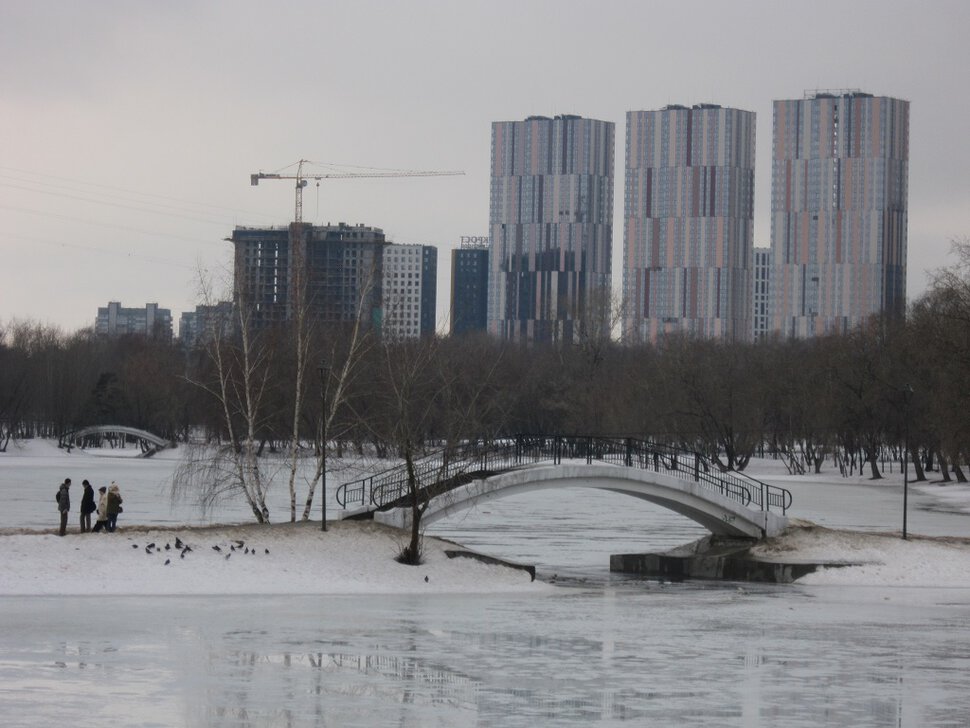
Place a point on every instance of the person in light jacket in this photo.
(64, 503)
(87, 506)
(113, 506)
(102, 511)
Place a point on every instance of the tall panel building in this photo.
(410, 290)
(762, 292)
(839, 190)
(688, 222)
(338, 269)
(208, 323)
(469, 286)
(550, 228)
(151, 321)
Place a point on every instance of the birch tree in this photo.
(342, 366)
(240, 372)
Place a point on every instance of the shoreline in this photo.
(238, 559)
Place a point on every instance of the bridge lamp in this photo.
(324, 371)
(907, 396)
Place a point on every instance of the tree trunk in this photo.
(961, 478)
(917, 465)
(873, 458)
(944, 470)
(412, 554)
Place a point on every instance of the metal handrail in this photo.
(440, 470)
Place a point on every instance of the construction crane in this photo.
(303, 176)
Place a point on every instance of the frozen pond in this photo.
(603, 650)
(635, 653)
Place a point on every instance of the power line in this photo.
(113, 204)
(115, 254)
(127, 228)
(125, 191)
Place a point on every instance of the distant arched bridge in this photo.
(115, 435)
(725, 503)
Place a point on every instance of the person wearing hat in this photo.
(102, 511)
(64, 503)
(87, 507)
(113, 506)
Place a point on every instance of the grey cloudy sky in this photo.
(128, 130)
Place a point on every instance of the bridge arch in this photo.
(147, 441)
(720, 515)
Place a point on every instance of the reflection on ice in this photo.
(686, 654)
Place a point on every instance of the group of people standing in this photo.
(108, 506)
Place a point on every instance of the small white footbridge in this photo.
(114, 436)
(726, 503)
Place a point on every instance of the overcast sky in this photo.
(128, 130)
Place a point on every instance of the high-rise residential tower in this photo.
(469, 286)
(839, 190)
(410, 286)
(688, 222)
(151, 321)
(550, 228)
(207, 324)
(762, 288)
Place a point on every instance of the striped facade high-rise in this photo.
(838, 211)
(688, 222)
(550, 228)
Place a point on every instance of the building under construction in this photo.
(334, 271)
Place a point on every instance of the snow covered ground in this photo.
(357, 558)
(350, 558)
(882, 559)
(234, 557)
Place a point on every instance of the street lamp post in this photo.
(907, 395)
(324, 372)
(905, 477)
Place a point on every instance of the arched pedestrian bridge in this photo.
(115, 436)
(726, 503)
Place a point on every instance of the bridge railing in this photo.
(435, 468)
(647, 455)
(439, 471)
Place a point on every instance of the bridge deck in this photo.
(453, 468)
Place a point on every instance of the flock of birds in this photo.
(182, 548)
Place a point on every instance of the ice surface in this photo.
(328, 630)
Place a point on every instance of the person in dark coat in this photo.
(87, 507)
(64, 503)
(113, 506)
(102, 511)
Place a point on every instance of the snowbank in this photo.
(350, 558)
(878, 559)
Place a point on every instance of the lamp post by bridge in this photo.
(324, 372)
(907, 394)
(905, 477)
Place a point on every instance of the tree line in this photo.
(886, 385)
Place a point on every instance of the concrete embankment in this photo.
(714, 558)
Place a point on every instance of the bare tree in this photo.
(342, 364)
(438, 389)
(13, 390)
(722, 398)
(240, 376)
